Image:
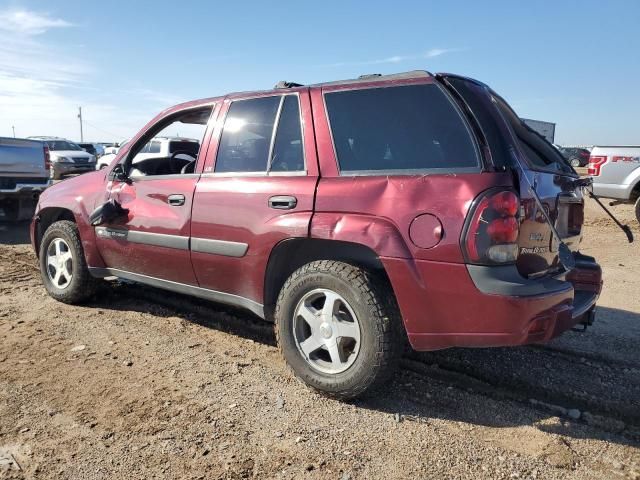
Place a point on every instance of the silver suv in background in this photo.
(616, 174)
(67, 157)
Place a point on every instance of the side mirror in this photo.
(119, 174)
(107, 213)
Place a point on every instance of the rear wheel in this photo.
(62, 264)
(338, 328)
(575, 162)
(638, 209)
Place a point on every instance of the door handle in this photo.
(175, 200)
(283, 202)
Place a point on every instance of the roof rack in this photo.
(285, 84)
(374, 77)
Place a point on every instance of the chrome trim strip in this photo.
(213, 295)
(145, 238)
(218, 247)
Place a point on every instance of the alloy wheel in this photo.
(326, 331)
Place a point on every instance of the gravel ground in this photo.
(144, 384)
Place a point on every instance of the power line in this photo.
(102, 130)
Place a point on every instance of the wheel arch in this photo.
(290, 254)
(47, 217)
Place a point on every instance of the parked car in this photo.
(67, 157)
(24, 174)
(112, 148)
(577, 157)
(354, 214)
(156, 147)
(95, 149)
(616, 174)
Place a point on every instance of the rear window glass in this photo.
(539, 152)
(407, 128)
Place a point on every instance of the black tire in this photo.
(373, 303)
(638, 209)
(82, 285)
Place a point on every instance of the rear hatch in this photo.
(513, 146)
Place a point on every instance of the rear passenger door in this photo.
(256, 190)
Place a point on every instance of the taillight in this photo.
(47, 158)
(595, 164)
(492, 231)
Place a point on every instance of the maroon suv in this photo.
(355, 214)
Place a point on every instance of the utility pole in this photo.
(14, 130)
(80, 117)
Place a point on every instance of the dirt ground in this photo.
(140, 383)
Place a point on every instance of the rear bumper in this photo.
(444, 305)
(612, 190)
(24, 189)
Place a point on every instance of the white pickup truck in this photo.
(24, 174)
(616, 174)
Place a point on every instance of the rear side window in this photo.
(246, 136)
(404, 129)
(287, 149)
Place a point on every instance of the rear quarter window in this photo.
(401, 129)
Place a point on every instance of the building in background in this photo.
(546, 129)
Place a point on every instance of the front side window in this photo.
(403, 129)
(184, 132)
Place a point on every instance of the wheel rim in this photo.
(575, 163)
(326, 331)
(59, 263)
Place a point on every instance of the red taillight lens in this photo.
(503, 230)
(47, 158)
(505, 203)
(492, 233)
(595, 164)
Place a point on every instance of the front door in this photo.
(257, 189)
(153, 239)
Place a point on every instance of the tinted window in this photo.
(189, 147)
(246, 137)
(398, 128)
(287, 149)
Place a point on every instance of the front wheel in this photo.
(338, 328)
(62, 264)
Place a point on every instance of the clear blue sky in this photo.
(573, 63)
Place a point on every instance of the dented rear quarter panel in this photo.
(379, 210)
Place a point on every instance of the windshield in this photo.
(62, 145)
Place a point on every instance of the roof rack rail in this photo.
(285, 84)
(369, 75)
